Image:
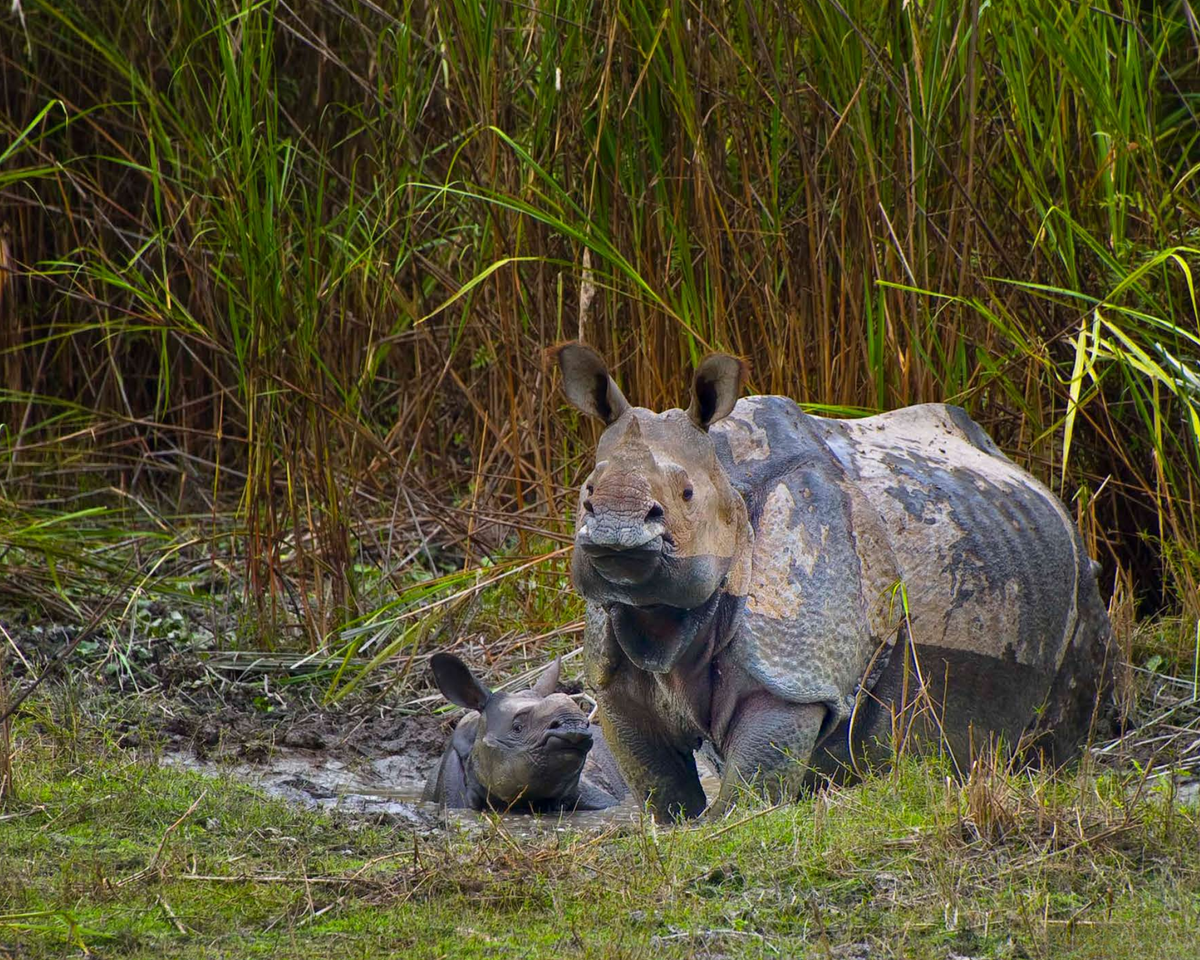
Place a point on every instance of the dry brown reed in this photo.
(300, 260)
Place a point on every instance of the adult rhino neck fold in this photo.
(656, 638)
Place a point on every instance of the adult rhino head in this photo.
(661, 529)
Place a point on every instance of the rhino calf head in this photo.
(527, 749)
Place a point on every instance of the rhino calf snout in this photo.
(571, 738)
(571, 732)
(568, 723)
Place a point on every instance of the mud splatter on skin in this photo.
(781, 550)
(747, 440)
(987, 576)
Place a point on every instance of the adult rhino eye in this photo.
(516, 726)
(687, 492)
(590, 489)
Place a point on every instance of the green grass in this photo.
(108, 853)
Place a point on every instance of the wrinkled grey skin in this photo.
(748, 569)
(527, 751)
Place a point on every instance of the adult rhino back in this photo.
(1000, 596)
(991, 560)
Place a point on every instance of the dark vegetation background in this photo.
(275, 277)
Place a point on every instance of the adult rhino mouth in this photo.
(624, 566)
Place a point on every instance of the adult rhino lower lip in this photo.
(624, 567)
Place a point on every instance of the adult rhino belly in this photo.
(989, 559)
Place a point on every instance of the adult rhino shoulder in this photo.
(764, 579)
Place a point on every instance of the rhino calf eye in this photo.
(687, 493)
(590, 489)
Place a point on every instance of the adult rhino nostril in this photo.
(654, 513)
(587, 505)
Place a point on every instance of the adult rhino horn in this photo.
(632, 437)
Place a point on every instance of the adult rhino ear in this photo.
(547, 683)
(715, 388)
(458, 683)
(586, 382)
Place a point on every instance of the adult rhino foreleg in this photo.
(768, 747)
(653, 747)
(657, 763)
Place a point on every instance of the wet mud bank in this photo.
(250, 717)
(360, 767)
(372, 768)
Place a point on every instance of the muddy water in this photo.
(390, 789)
(374, 788)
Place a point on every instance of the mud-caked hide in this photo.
(786, 586)
(910, 522)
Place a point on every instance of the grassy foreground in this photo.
(110, 855)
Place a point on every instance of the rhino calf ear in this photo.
(457, 683)
(715, 388)
(586, 383)
(547, 683)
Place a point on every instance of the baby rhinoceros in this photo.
(533, 750)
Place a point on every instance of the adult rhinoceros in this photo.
(795, 589)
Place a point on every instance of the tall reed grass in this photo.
(301, 258)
